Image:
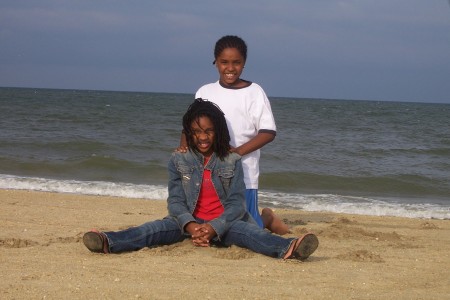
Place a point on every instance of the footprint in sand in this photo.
(17, 243)
(428, 225)
(178, 249)
(361, 256)
(234, 253)
(339, 231)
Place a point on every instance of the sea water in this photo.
(364, 157)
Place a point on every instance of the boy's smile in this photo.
(203, 135)
(230, 64)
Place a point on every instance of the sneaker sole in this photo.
(94, 241)
(308, 244)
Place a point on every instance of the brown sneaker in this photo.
(96, 241)
(303, 247)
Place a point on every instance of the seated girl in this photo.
(206, 201)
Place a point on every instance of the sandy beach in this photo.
(359, 257)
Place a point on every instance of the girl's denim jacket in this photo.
(185, 180)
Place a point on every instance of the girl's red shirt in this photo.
(208, 205)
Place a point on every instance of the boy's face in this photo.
(203, 135)
(230, 64)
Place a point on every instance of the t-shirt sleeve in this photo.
(262, 113)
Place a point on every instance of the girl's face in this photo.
(230, 64)
(203, 135)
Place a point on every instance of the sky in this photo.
(388, 50)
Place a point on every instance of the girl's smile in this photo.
(203, 135)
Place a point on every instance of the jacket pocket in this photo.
(186, 175)
(225, 176)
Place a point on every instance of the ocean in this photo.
(346, 156)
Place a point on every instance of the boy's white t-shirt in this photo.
(247, 111)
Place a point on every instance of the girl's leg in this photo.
(159, 232)
(250, 236)
(251, 197)
(302, 247)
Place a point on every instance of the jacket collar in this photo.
(200, 159)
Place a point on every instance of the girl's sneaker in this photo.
(96, 241)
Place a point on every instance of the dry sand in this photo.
(359, 257)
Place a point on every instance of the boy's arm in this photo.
(183, 143)
(261, 139)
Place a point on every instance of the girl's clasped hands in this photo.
(201, 234)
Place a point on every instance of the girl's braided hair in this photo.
(230, 41)
(201, 108)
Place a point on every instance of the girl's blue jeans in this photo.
(167, 231)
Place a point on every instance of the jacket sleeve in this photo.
(234, 204)
(176, 201)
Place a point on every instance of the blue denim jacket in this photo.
(185, 180)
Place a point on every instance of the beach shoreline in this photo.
(359, 257)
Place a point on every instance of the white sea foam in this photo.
(355, 205)
(313, 202)
(154, 192)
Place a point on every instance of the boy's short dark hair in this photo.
(230, 41)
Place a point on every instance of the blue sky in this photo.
(394, 50)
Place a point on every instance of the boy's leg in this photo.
(273, 222)
(251, 197)
(159, 232)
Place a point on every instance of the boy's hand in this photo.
(235, 150)
(182, 149)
